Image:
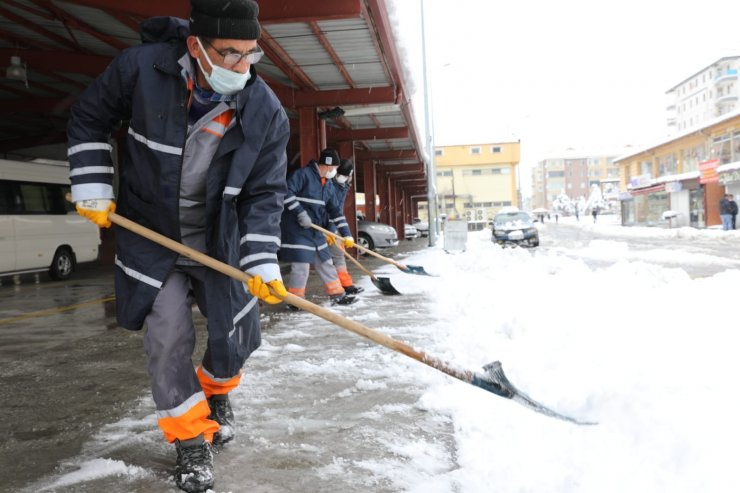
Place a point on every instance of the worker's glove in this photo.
(304, 219)
(96, 210)
(330, 240)
(348, 241)
(262, 289)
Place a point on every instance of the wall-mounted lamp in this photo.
(17, 70)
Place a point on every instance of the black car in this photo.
(514, 227)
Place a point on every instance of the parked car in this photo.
(373, 235)
(514, 227)
(410, 232)
(421, 227)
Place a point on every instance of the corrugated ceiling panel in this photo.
(103, 22)
(353, 43)
(25, 33)
(391, 120)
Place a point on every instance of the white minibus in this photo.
(40, 230)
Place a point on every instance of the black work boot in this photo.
(343, 299)
(194, 467)
(222, 414)
(352, 289)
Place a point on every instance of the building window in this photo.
(495, 149)
(444, 173)
(438, 152)
(475, 150)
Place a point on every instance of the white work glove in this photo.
(96, 210)
(304, 219)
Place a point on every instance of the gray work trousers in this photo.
(170, 337)
(326, 271)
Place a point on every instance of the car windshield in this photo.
(512, 220)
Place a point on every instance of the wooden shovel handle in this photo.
(345, 323)
(360, 247)
(357, 263)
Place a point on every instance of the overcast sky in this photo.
(575, 73)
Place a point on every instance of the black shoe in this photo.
(222, 414)
(353, 289)
(194, 467)
(343, 299)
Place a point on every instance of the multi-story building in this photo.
(683, 177)
(710, 93)
(475, 181)
(573, 175)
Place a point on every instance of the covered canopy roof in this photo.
(320, 54)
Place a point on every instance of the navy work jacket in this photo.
(245, 184)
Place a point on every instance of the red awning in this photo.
(642, 191)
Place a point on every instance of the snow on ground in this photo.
(644, 350)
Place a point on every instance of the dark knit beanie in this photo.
(329, 157)
(346, 168)
(225, 19)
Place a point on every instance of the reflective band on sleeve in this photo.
(178, 411)
(90, 170)
(232, 191)
(243, 312)
(257, 237)
(90, 146)
(289, 199)
(311, 201)
(138, 275)
(154, 145)
(298, 247)
(293, 206)
(255, 257)
(342, 225)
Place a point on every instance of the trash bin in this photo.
(456, 236)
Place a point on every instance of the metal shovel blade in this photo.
(416, 269)
(384, 285)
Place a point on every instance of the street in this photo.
(322, 410)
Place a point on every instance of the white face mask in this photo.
(221, 80)
(331, 173)
(341, 179)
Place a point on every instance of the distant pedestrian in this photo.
(594, 213)
(725, 212)
(733, 209)
(576, 210)
(557, 216)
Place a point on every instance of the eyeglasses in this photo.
(231, 58)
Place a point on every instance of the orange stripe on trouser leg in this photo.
(212, 387)
(301, 292)
(189, 425)
(334, 287)
(345, 278)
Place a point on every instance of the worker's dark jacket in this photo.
(245, 184)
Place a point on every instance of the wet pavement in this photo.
(76, 392)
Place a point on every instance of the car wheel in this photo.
(62, 265)
(365, 241)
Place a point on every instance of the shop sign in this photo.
(708, 171)
(729, 177)
(640, 181)
(673, 186)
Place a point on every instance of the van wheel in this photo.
(364, 240)
(62, 265)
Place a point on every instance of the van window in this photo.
(6, 198)
(41, 198)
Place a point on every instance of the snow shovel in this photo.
(408, 269)
(492, 380)
(382, 283)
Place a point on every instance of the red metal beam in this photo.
(383, 155)
(126, 19)
(369, 134)
(333, 54)
(284, 62)
(71, 21)
(270, 10)
(415, 167)
(339, 97)
(35, 27)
